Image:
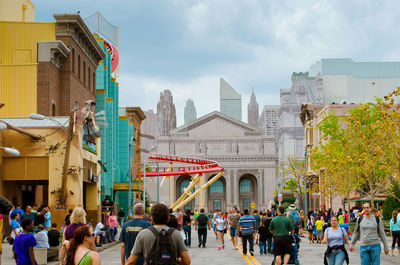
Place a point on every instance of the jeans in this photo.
(263, 247)
(188, 234)
(396, 238)
(336, 258)
(245, 239)
(114, 232)
(202, 232)
(370, 255)
(269, 245)
(121, 221)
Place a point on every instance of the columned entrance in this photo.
(247, 191)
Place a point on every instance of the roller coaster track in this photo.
(193, 166)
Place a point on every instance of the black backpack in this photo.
(202, 220)
(163, 251)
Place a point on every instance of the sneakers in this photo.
(200, 245)
(219, 248)
(251, 253)
(223, 247)
(204, 245)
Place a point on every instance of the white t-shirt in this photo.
(220, 223)
(99, 226)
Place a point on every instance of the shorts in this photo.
(233, 231)
(221, 231)
(319, 232)
(282, 245)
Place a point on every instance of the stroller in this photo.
(295, 241)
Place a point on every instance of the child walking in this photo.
(263, 232)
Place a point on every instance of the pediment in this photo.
(215, 124)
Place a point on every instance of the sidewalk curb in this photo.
(106, 246)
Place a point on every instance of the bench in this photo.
(43, 254)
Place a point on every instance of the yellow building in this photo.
(36, 175)
(19, 37)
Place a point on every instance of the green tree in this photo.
(391, 202)
(293, 171)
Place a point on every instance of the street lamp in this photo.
(131, 143)
(259, 182)
(10, 151)
(40, 117)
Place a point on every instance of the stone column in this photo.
(235, 187)
(228, 189)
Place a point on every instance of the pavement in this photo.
(310, 254)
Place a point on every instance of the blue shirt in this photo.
(335, 238)
(21, 245)
(395, 226)
(18, 211)
(14, 224)
(47, 223)
(202, 226)
(129, 233)
(247, 223)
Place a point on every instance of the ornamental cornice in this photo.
(258, 140)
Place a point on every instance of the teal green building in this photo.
(115, 131)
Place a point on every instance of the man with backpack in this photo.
(370, 230)
(294, 215)
(201, 225)
(159, 244)
(130, 231)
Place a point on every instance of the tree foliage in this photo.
(292, 171)
(391, 202)
(361, 151)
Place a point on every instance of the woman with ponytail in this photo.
(80, 248)
(395, 231)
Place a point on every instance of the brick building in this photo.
(67, 67)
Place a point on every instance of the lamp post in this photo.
(10, 151)
(39, 117)
(305, 182)
(144, 184)
(130, 175)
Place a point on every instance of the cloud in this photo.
(187, 45)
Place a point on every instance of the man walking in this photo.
(130, 231)
(201, 225)
(233, 220)
(147, 240)
(370, 230)
(280, 226)
(247, 225)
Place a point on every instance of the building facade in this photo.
(355, 82)
(249, 159)
(230, 101)
(290, 136)
(269, 120)
(190, 112)
(253, 111)
(166, 113)
(149, 134)
(36, 175)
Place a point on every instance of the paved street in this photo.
(310, 254)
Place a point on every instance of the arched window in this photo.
(183, 185)
(245, 185)
(217, 186)
(84, 73)
(79, 66)
(73, 60)
(89, 79)
(94, 81)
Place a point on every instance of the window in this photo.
(94, 81)
(217, 186)
(89, 78)
(73, 60)
(79, 66)
(84, 73)
(183, 185)
(245, 185)
(53, 109)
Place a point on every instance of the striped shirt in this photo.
(247, 223)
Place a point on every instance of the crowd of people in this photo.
(165, 235)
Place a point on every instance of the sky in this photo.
(186, 46)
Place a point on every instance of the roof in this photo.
(30, 123)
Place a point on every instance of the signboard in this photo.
(95, 178)
(280, 198)
(253, 205)
(125, 186)
(316, 195)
